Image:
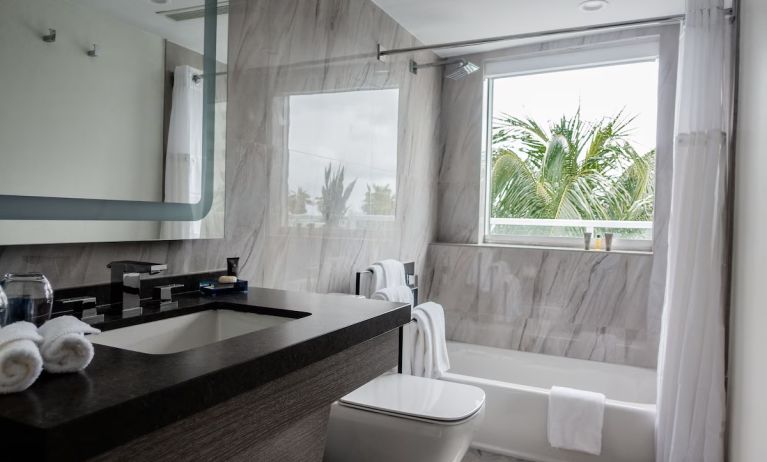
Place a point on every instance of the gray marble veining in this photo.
(586, 305)
(276, 49)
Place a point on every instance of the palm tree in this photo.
(332, 203)
(379, 200)
(298, 200)
(571, 170)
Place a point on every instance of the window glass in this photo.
(342, 168)
(573, 151)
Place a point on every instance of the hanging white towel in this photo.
(394, 272)
(422, 359)
(65, 347)
(436, 318)
(403, 294)
(424, 349)
(20, 360)
(575, 419)
(184, 157)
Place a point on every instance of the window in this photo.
(342, 150)
(571, 140)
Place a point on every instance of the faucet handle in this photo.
(130, 266)
(165, 293)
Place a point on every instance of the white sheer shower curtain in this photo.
(183, 159)
(691, 368)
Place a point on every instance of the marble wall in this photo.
(598, 306)
(278, 49)
(586, 305)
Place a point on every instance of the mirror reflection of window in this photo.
(342, 168)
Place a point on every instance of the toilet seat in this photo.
(418, 398)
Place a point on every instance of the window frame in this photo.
(593, 55)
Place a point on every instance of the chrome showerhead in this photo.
(461, 69)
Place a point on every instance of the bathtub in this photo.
(517, 387)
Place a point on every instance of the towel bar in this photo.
(412, 280)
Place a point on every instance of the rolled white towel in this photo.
(20, 360)
(65, 347)
(403, 294)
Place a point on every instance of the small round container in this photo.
(30, 298)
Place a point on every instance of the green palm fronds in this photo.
(332, 203)
(573, 169)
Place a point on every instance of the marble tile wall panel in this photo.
(278, 48)
(586, 305)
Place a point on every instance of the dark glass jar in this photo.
(30, 298)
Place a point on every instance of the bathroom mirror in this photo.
(112, 120)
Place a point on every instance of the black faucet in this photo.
(126, 283)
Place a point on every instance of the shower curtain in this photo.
(691, 394)
(183, 159)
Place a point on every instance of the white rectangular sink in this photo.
(186, 332)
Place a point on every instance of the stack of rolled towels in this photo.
(387, 275)
(58, 346)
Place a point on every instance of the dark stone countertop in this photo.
(125, 394)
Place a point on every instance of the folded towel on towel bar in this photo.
(393, 272)
(424, 349)
(575, 420)
(403, 294)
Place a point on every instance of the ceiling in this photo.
(436, 21)
(143, 14)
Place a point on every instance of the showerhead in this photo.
(461, 69)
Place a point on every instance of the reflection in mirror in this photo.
(121, 123)
(342, 168)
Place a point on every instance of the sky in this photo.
(356, 129)
(600, 91)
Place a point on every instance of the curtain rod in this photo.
(466, 43)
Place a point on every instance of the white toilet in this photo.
(401, 418)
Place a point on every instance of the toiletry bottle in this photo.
(598, 242)
(232, 266)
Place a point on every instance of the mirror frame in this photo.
(14, 207)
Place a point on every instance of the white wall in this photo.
(748, 331)
(72, 125)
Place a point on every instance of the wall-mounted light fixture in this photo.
(51, 37)
(92, 52)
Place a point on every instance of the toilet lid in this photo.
(418, 397)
